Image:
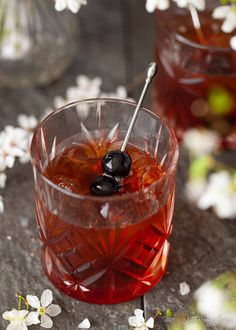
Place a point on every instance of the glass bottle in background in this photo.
(197, 80)
(37, 43)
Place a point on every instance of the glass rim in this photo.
(195, 44)
(125, 196)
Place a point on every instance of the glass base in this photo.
(107, 286)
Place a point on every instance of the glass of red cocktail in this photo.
(106, 249)
(197, 76)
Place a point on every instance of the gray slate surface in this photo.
(202, 245)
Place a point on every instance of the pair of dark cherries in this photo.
(115, 165)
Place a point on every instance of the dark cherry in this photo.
(104, 186)
(117, 163)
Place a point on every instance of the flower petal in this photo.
(46, 322)
(138, 319)
(133, 321)
(12, 327)
(74, 6)
(14, 314)
(60, 5)
(139, 315)
(152, 5)
(150, 323)
(221, 12)
(33, 301)
(184, 288)
(3, 179)
(32, 318)
(199, 4)
(85, 324)
(233, 42)
(16, 327)
(138, 312)
(46, 298)
(229, 23)
(53, 310)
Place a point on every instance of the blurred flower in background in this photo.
(86, 88)
(213, 307)
(201, 141)
(211, 184)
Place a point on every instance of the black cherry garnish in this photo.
(104, 186)
(117, 163)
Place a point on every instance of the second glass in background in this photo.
(196, 85)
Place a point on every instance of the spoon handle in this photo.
(151, 72)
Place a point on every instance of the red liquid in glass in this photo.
(196, 86)
(104, 263)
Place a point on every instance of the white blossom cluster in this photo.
(216, 191)
(15, 144)
(216, 300)
(86, 88)
(42, 311)
(213, 307)
(226, 12)
(138, 322)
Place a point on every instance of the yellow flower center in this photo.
(42, 311)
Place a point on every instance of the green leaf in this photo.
(200, 167)
(220, 101)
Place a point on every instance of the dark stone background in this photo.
(117, 42)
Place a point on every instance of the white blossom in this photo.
(85, 324)
(28, 123)
(13, 142)
(72, 5)
(201, 141)
(138, 321)
(211, 302)
(194, 189)
(228, 14)
(3, 179)
(44, 307)
(19, 320)
(1, 205)
(152, 5)
(184, 288)
(220, 194)
(198, 4)
(86, 88)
